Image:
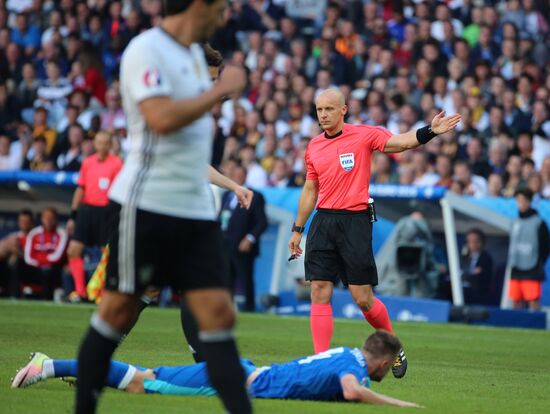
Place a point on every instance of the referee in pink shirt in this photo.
(89, 216)
(339, 243)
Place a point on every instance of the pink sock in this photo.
(322, 325)
(76, 264)
(378, 316)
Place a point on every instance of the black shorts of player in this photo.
(92, 224)
(150, 249)
(339, 245)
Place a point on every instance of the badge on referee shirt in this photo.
(347, 161)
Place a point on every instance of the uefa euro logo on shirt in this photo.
(347, 161)
(151, 77)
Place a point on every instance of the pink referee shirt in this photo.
(342, 165)
(96, 178)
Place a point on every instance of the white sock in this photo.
(48, 370)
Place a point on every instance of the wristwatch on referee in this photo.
(298, 229)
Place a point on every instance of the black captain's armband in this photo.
(425, 134)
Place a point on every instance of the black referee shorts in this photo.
(339, 245)
(92, 225)
(150, 249)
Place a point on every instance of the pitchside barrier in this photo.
(279, 286)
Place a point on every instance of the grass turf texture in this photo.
(452, 368)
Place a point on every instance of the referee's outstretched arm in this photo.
(165, 115)
(412, 139)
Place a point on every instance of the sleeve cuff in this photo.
(251, 238)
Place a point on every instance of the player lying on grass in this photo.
(337, 374)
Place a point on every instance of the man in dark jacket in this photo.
(529, 246)
(242, 230)
(477, 269)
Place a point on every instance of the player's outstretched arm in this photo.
(244, 195)
(353, 391)
(165, 115)
(412, 139)
(308, 199)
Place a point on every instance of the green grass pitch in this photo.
(452, 368)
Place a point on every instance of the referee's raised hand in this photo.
(232, 79)
(442, 123)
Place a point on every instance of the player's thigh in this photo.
(203, 262)
(355, 248)
(137, 241)
(83, 230)
(119, 310)
(212, 308)
(322, 261)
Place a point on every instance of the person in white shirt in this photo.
(164, 222)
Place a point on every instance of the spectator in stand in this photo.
(26, 35)
(382, 171)
(114, 110)
(45, 252)
(9, 110)
(54, 91)
(12, 249)
(9, 160)
(529, 247)
(495, 185)
(242, 229)
(256, 177)
(478, 164)
(282, 176)
(37, 158)
(89, 216)
(424, 177)
(497, 157)
(41, 129)
(444, 171)
(534, 183)
(94, 81)
(527, 168)
(27, 91)
(93, 33)
(512, 176)
(497, 125)
(71, 159)
(473, 184)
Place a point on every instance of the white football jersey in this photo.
(165, 174)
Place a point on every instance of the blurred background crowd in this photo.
(398, 63)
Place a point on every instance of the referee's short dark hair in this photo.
(172, 7)
(213, 57)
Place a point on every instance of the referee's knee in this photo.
(365, 302)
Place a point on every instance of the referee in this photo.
(339, 243)
(89, 208)
(164, 229)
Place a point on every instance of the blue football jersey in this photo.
(316, 377)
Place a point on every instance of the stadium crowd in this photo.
(397, 62)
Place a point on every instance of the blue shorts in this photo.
(187, 380)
